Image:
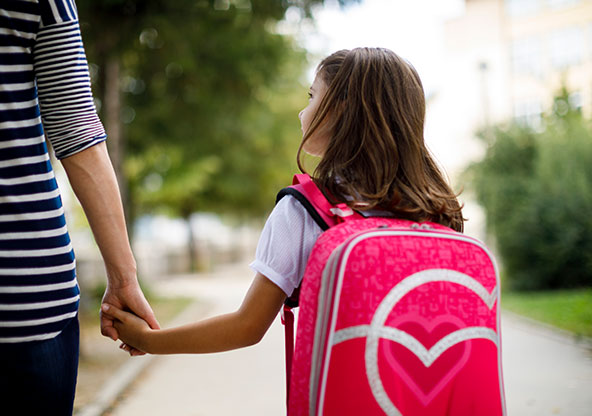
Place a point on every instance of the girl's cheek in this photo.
(304, 121)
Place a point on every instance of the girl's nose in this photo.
(300, 114)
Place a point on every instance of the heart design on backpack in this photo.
(378, 332)
(424, 381)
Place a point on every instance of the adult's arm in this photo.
(77, 136)
(93, 180)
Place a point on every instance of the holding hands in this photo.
(129, 297)
(132, 330)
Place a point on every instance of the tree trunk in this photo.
(191, 246)
(115, 139)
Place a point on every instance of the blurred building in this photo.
(504, 60)
(510, 57)
(549, 43)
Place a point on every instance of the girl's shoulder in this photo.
(289, 210)
(290, 223)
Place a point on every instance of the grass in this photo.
(570, 310)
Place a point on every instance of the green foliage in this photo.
(536, 189)
(210, 99)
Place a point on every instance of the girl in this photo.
(365, 121)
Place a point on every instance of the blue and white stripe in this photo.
(44, 91)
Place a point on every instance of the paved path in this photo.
(244, 382)
(545, 373)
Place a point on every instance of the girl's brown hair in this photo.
(376, 156)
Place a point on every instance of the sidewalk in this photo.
(545, 373)
(246, 382)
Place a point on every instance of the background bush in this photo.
(536, 189)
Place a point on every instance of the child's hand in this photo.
(132, 330)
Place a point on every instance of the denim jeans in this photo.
(39, 378)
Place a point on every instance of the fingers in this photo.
(123, 324)
(144, 311)
(108, 314)
(133, 300)
(113, 312)
(107, 328)
(152, 322)
(110, 332)
(133, 352)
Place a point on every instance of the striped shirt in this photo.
(44, 92)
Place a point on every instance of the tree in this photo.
(198, 97)
(182, 66)
(536, 189)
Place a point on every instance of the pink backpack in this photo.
(396, 318)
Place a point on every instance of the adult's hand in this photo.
(129, 298)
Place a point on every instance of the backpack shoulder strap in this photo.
(326, 216)
(315, 202)
(318, 207)
(297, 192)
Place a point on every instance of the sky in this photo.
(411, 28)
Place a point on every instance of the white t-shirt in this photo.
(285, 244)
